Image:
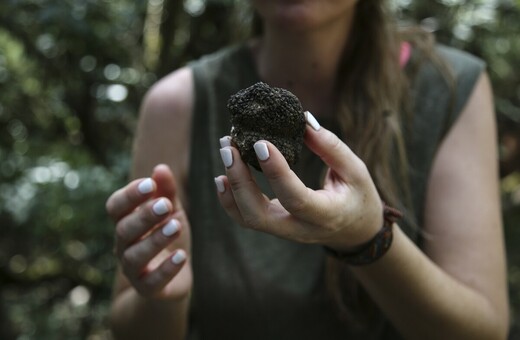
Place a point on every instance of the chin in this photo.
(292, 15)
(302, 14)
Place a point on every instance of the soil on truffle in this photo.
(268, 113)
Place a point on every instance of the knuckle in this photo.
(147, 217)
(163, 274)
(147, 284)
(252, 222)
(153, 281)
(361, 166)
(329, 228)
(336, 143)
(238, 183)
(128, 261)
(278, 175)
(157, 240)
(130, 196)
(228, 204)
(360, 169)
(109, 205)
(235, 182)
(296, 204)
(121, 234)
(144, 288)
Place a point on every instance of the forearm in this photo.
(135, 317)
(423, 301)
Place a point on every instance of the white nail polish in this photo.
(261, 150)
(312, 121)
(170, 228)
(146, 186)
(220, 185)
(179, 256)
(160, 207)
(225, 141)
(227, 157)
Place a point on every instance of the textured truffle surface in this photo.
(269, 113)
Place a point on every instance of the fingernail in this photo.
(146, 186)
(227, 157)
(171, 228)
(160, 207)
(220, 185)
(225, 141)
(261, 150)
(179, 256)
(312, 121)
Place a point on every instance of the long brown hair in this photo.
(373, 110)
(372, 100)
(372, 88)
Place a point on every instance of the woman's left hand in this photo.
(346, 213)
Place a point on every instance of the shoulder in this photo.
(170, 103)
(170, 98)
(464, 67)
(438, 57)
(443, 80)
(167, 105)
(459, 60)
(165, 120)
(448, 75)
(175, 92)
(464, 72)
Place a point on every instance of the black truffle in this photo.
(269, 113)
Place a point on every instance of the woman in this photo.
(188, 270)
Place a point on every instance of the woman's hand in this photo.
(346, 213)
(152, 240)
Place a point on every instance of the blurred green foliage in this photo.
(72, 75)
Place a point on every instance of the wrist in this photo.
(356, 235)
(375, 247)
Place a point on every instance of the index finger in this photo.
(292, 193)
(128, 198)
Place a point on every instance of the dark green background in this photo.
(72, 75)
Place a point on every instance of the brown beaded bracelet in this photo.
(376, 247)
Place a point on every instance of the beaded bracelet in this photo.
(376, 247)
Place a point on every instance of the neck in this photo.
(304, 62)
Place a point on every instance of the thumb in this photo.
(332, 151)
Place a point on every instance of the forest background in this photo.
(72, 76)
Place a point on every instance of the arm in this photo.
(153, 303)
(456, 288)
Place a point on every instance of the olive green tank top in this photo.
(251, 285)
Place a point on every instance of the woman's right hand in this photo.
(152, 239)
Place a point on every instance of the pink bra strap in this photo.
(406, 52)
